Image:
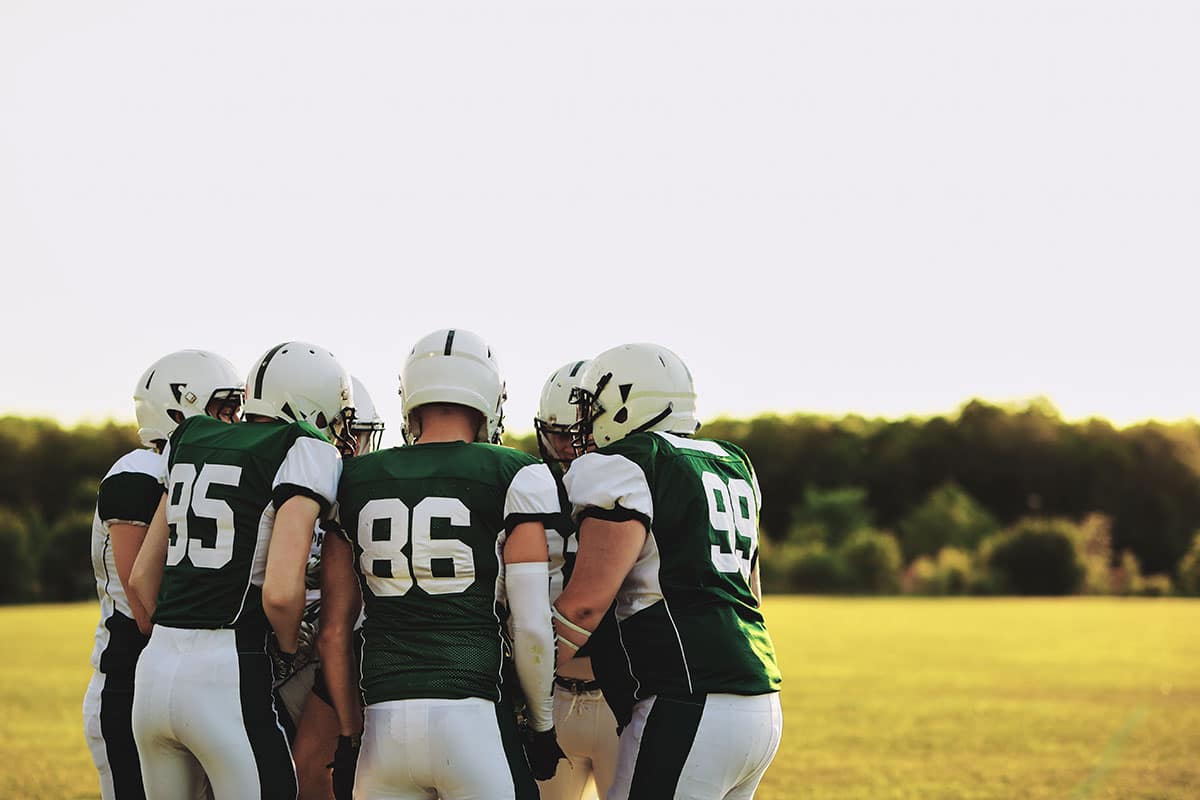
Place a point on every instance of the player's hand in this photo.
(283, 665)
(345, 761)
(542, 752)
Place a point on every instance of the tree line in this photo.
(992, 499)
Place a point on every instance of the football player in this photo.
(586, 728)
(316, 721)
(437, 534)
(669, 527)
(179, 385)
(235, 531)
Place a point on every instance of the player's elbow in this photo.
(280, 601)
(333, 637)
(582, 611)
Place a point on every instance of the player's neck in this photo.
(447, 427)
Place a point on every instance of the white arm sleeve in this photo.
(533, 638)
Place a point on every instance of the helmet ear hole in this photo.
(176, 415)
(320, 422)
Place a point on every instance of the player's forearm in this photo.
(145, 577)
(287, 557)
(284, 607)
(337, 662)
(340, 606)
(533, 638)
(127, 540)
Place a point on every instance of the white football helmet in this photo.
(453, 365)
(631, 388)
(367, 427)
(556, 414)
(180, 385)
(298, 381)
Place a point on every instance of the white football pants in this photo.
(587, 733)
(421, 749)
(707, 747)
(202, 707)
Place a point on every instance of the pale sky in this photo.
(877, 207)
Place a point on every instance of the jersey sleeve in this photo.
(310, 469)
(164, 468)
(609, 486)
(129, 497)
(532, 497)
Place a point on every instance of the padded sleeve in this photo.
(532, 497)
(130, 497)
(311, 468)
(609, 486)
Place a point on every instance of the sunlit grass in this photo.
(895, 698)
(989, 698)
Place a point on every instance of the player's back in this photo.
(427, 524)
(689, 621)
(224, 485)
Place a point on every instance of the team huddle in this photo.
(288, 610)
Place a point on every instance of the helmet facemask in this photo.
(551, 451)
(340, 430)
(589, 409)
(368, 436)
(226, 405)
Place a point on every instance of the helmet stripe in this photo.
(262, 369)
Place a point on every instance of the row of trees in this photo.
(982, 501)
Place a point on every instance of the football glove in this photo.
(345, 762)
(542, 752)
(285, 665)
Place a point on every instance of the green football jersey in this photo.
(224, 485)
(427, 524)
(688, 620)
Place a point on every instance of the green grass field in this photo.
(894, 698)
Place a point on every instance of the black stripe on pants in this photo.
(276, 772)
(116, 726)
(524, 786)
(666, 741)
